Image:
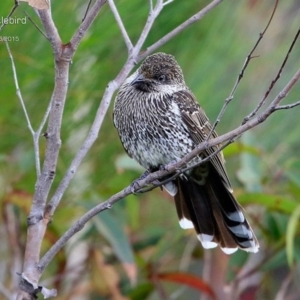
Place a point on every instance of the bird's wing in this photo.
(199, 127)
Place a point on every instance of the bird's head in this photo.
(158, 72)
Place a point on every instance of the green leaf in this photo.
(112, 230)
(290, 235)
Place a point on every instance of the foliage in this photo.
(136, 249)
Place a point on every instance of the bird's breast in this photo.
(152, 131)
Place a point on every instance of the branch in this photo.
(198, 16)
(171, 169)
(241, 74)
(262, 101)
(36, 221)
(121, 25)
(35, 25)
(19, 95)
(85, 25)
(10, 14)
(288, 106)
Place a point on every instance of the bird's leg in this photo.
(135, 185)
(167, 166)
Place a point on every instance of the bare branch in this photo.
(150, 20)
(167, 2)
(35, 25)
(241, 74)
(198, 16)
(151, 5)
(19, 94)
(51, 31)
(86, 23)
(121, 25)
(288, 106)
(87, 10)
(262, 101)
(10, 14)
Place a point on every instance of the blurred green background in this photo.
(137, 250)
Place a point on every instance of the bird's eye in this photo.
(161, 78)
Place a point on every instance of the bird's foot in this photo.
(167, 166)
(135, 185)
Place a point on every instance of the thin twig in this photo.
(121, 25)
(10, 14)
(241, 74)
(288, 106)
(262, 101)
(19, 95)
(198, 16)
(151, 5)
(86, 23)
(35, 25)
(86, 11)
(150, 20)
(167, 2)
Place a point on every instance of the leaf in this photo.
(272, 202)
(291, 233)
(112, 230)
(38, 4)
(189, 280)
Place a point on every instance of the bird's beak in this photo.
(138, 79)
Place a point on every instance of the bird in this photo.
(159, 121)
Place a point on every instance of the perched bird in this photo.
(159, 121)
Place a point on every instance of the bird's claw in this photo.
(135, 185)
(167, 166)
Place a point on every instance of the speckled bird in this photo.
(159, 121)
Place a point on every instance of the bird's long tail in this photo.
(210, 207)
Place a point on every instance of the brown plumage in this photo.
(159, 121)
